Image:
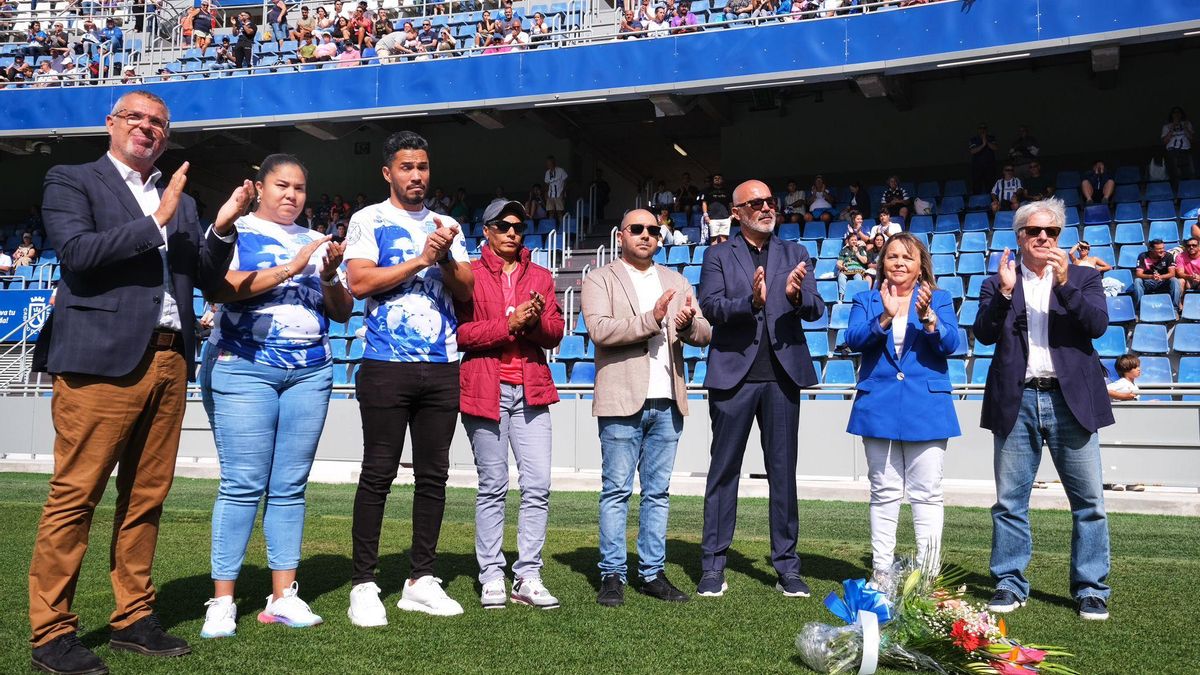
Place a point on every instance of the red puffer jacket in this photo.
(483, 334)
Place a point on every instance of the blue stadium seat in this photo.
(1120, 309)
(535, 241)
(1106, 254)
(558, 372)
(1129, 212)
(699, 372)
(1126, 194)
(679, 255)
(994, 261)
(693, 353)
(976, 222)
(343, 374)
(921, 225)
(1002, 239)
(1129, 233)
(354, 350)
(818, 343)
(1186, 338)
(660, 256)
(943, 264)
(580, 326)
(1069, 236)
(1189, 189)
(968, 312)
(1189, 370)
(970, 263)
(839, 315)
(951, 205)
(952, 285)
(572, 348)
(979, 203)
(1070, 199)
(1072, 217)
(963, 345)
(1157, 308)
(698, 253)
(1067, 179)
(944, 243)
(1112, 343)
(1191, 307)
(1167, 230)
(1161, 211)
(198, 305)
(1128, 174)
(1127, 258)
(1097, 235)
(337, 349)
(822, 323)
(789, 231)
(838, 371)
(583, 372)
(828, 290)
(856, 286)
(1155, 370)
(814, 230)
(922, 237)
(1096, 214)
(955, 188)
(1123, 276)
(830, 248)
(957, 370)
(1149, 338)
(1159, 192)
(546, 225)
(692, 274)
(973, 242)
(929, 190)
(975, 285)
(824, 267)
(947, 223)
(979, 371)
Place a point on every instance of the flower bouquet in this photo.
(916, 618)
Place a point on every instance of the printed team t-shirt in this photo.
(414, 321)
(286, 326)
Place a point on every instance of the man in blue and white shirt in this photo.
(1005, 190)
(411, 265)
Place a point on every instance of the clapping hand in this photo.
(794, 280)
(1008, 273)
(928, 316)
(1059, 263)
(233, 208)
(661, 305)
(437, 244)
(892, 303)
(525, 315)
(758, 289)
(170, 197)
(332, 260)
(297, 265)
(686, 313)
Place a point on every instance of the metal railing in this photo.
(16, 355)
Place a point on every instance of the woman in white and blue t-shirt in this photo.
(266, 381)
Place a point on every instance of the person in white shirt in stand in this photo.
(884, 226)
(1124, 388)
(517, 38)
(556, 188)
(660, 25)
(1005, 190)
(6, 263)
(1177, 136)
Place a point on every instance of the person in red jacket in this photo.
(507, 389)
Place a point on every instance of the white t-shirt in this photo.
(664, 199)
(1124, 386)
(1178, 137)
(656, 29)
(519, 40)
(5, 260)
(819, 200)
(556, 180)
(414, 321)
(649, 290)
(886, 230)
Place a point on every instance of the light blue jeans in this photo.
(1045, 419)
(266, 422)
(527, 430)
(644, 442)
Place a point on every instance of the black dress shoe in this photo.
(66, 655)
(662, 589)
(147, 636)
(612, 591)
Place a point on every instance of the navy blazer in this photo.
(725, 288)
(906, 397)
(1078, 314)
(111, 292)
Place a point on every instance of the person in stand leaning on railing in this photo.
(905, 330)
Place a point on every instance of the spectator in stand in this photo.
(982, 148)
(59, 41)
(45, 76)
(1187, 266)
(349, 58)
(504, 24)
(225, 59)
(1035, 186)
(13, 72)
(1177, 137)
(684, 21)
(36, 40)
(556, 185)
(26, 253)
(670, 234)
(6, 263)
(884, 226)
(1081, 254)
(427, 36)
(325, 23)
(383, 24)
(851, 263)
(714, 204)
(1023, 152)
(896, 199)
(243, 50)
(535, 202)
(517, 37)
(446, 42)
(820, 198)
(113, 35)
(1098, 183)
(1124, 388)
(129, 76)
(686, 196)
(794, 203)
(644, 12)
(277, 20)
(630, 26)
(496, 45)
(460, 210)
(438, 203)
(341, 30)
(484, 29)
(392, 46)
(854, 226)
(306, 26)
(362, 30)
(540, 30)
(1155, 273)
(1006, 190)
(738, 9)
(763, 9)
(307, 218)
(860, 202)
(874, 249)
(8, 10)
(340, 10)
(307, 51)
(663, 198)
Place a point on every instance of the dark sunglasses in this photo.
(1191, 245)
(636, 230)
(1085, 248)
(758, 203)
(1051, 232)
(503, 226)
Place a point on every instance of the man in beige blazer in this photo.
(638, 316)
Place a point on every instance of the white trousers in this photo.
(894, 469)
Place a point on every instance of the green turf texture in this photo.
(1156, 561)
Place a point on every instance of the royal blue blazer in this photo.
(906, 397)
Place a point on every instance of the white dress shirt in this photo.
(1037, 309)
(649, 289)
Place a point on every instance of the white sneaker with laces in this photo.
(531, 591)
(493, 595)
(426, 595)
(220, 620)
(366, 610)
(289, 610)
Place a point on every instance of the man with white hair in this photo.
(1045, 387)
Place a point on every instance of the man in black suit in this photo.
(121, 347)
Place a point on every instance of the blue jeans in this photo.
(1172, 287)
(266, 422)
(1045, 419)
(644, 442)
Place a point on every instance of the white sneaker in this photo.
(221, 618)
(426, 595)
(493, 595)
(530, 591)
(366, 611)
(289, 610)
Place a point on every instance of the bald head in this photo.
(749, 190)
(639, 238)
(754, 207)
(638, 216)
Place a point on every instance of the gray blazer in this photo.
(621, 335)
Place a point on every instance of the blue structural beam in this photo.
(778, 53)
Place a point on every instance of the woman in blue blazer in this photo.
(905, 329)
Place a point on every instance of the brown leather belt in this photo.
(163, 340)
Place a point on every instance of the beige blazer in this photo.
(621, 335)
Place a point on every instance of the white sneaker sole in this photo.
(1005, 609)
(413, 606)
(1093, 617)
(798, 594)
(499, 603)
(530, 603)
(263, 617)
(217, 634)
(715, 594)
(365, 624)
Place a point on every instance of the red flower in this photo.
(964, 638)
(1023, 655)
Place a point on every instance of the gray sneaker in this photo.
(530, 591)
(493, 595)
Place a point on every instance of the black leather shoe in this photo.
(66, 655)
(662, 589)
(612, 591)
(148, 637)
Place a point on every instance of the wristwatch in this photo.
(331, 282)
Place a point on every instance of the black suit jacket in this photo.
(111, 291)
(1078, 314)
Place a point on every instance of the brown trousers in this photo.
(133, 423)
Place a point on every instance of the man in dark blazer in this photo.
(1045, 387)
(122, 348)
(755, 289)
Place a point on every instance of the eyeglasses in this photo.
(1051, 232)
(503, 226)
(636, 230)
(1191, 245)
(758, 203)
(134, 119)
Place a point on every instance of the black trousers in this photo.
(242, 54)
(392, 398)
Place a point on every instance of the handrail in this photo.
(19, 368)
(569, 308)
(599, 256)
(613, 243)
(551, 249)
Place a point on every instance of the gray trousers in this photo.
(527, 430)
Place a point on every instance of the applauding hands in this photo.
(527, 314)
(437, 244)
